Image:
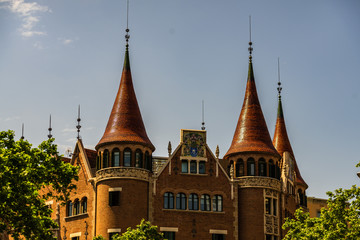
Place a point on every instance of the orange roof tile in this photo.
(125, 123)
(251, 133)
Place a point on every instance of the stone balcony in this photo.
(258, 182)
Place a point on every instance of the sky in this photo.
(55, 55)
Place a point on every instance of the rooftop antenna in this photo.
(127, 35)
(279, 88)
(250, 42)
(78, 126)
(22, 132)
(50, 129)
(203, 122)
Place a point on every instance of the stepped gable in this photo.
(281, 140)
(125, 124)
(251, 133)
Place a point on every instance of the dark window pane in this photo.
(114, 198)
(267, 206)
(202, 167)
(169, 235)
(184, 166)
(193, 167)
(127, 158)
(218, 237)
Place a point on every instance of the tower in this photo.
(123, 162)
(253, 164)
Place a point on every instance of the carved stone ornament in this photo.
(122, 172)
(261, 182)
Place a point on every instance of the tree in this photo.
(28, 178)
(341, 219)
(144, 231)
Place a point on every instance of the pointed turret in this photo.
(251, 134)
(125, 124)
(281, 140)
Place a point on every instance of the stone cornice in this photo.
(258, 182)
(123, 173)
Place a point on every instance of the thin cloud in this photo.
(27, 11)
(68, 130)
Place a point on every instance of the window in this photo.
(262, 167)
(318, 213)
(217, 203)
(84, 205)
(271, 169)
(127, 157)
(205, 202)
(76, 208)
(181, 201)
(169, 235)
(69, 207)
(169, 200)
(139, 158)
(106, 159)
(98, 163)
(251, 167)
(274, 209)
(202, 167)
(114, 198)
(193, 166)
(218, 237)
(268, 206)
(193, 201)
(301, 197)
(239, 168)
(277, 169)
(271, 237)
(115, 158)
(184, 166)
(271, 206)
(75, 238)
(148, 164)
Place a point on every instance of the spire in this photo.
(251, 133)
(78, 126)
(281, 140)
(22, 132)
(203, 121)
(50, 129)
(125, 124)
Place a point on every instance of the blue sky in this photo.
(55, 55)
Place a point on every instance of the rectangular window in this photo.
(274, 210)
(193, 167)
(169, 235)
(114, 198)
(218, 237)
(184, 166)
(267, 206)
(75, 238)
(202, 167)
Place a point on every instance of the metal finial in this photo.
(217, 152)
(22, 132)
(279, 88)
(203, 122)
(169, 148)
(78, 126)
(250, 42)
(50, 129)
(127, 35)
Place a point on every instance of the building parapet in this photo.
(122, 172)
(258, 182)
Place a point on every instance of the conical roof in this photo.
(125, 124)
(281, 140)
(251, 133)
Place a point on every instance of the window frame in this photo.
(181, 201)
(168, 199)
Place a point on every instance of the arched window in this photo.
(301, 197)
(139, 158)
(169, 200)
(76, 208)
(251, 167)
(205, 202)
(106, 159)
(193, 201)
(98, 162)
(217, 203)
(193, 166)
(127, 157)
(239, 169)
(84, 205)
(115, 157)
(148, 162)
(271, 169)
(262, 167)
(202, 167)
(181, 201)
(69, 208)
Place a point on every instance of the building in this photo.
(315, 205)
(192, 193)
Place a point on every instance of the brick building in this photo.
(192, 193)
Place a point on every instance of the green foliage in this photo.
(98, 238)
(341, 220)
(144, 231)
(29, 177)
